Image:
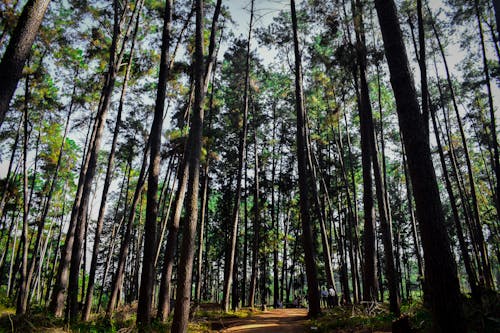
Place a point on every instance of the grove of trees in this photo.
(168, 154)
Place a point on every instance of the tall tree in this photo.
(440, 266)
(307, 235)
(228, 269)
(150, 237)
(183, 175)
(22, 297)
(108, 178)
(366, 118)
(69, 266)
(185, 268)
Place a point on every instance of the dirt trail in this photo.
(272, 321)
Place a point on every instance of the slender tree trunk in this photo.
(496, 7)
(228, 271)
(285, 259)
(183, 296)
(81, 206)
(440, 267)
(245, 240)
(480, 243)
(11, 265)
(274, 220)
(493, 130)
(256, 231)
(9, 177)
(171, 242)
(357, 247)
(148, 272)
(107, 181)
(204, 203)
(117, 226)
(18, 50)
(57, 246)
(22, 297)
(12, 226)
(74, 238)
(124, 248)
(367, 118)
(307, 235)
(205, 198)
(183, 176)
(46, 206)
(471, 276)
(416, 241)
(370, 284)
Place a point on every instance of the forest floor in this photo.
(279, 320)
(288, 321)
(209, 318)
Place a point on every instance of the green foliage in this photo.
(354, 317)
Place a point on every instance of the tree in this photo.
(185, 271)
(304, 174)
(230, 259)
(150, 237)
(441, 271)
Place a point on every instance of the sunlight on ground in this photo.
(251, 326)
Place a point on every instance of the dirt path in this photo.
(272, 321)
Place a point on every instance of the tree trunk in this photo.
(228, 271)
(74, 238)
(10, 177)
(274, 219)
(22, 297)
(82, 206)
(183, 176)
(107, 180)
(256, 231)
(183, 296)
(245, 240)
(440, 267)
(416, 241)
(496, 161)
(471, 276)
(122, 257)
(367, 118)
(307, 235)
(18, 50)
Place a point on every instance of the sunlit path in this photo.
(280, 320)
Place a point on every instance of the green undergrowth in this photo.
(39, 320)
(370, 317)
(483, 316)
